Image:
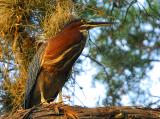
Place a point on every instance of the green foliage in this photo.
(125, 52)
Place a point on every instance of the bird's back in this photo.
(33, 72)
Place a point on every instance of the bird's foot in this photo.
(44, 102)
(57, 110)
(56, 106)
(62, 108)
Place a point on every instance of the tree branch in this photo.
(59, 111)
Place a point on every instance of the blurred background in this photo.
(119, 66)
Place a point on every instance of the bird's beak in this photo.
(90, 25)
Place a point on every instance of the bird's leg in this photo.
(60, 100)
(43, 101)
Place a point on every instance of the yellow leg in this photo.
(60, 100)
(42, 99)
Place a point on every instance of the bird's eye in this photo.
(83, 21)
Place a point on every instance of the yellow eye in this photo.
(83, 21)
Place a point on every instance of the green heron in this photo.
(52, 65)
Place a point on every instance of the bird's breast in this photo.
(63, 50)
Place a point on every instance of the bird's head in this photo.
(84, 25)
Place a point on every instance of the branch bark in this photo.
(59, 111)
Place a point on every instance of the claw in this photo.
(56, 110)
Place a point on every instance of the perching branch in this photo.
(59, 111)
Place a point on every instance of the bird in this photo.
(51, 66)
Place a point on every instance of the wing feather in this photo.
(33, 72)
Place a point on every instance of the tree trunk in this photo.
(59, 111)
